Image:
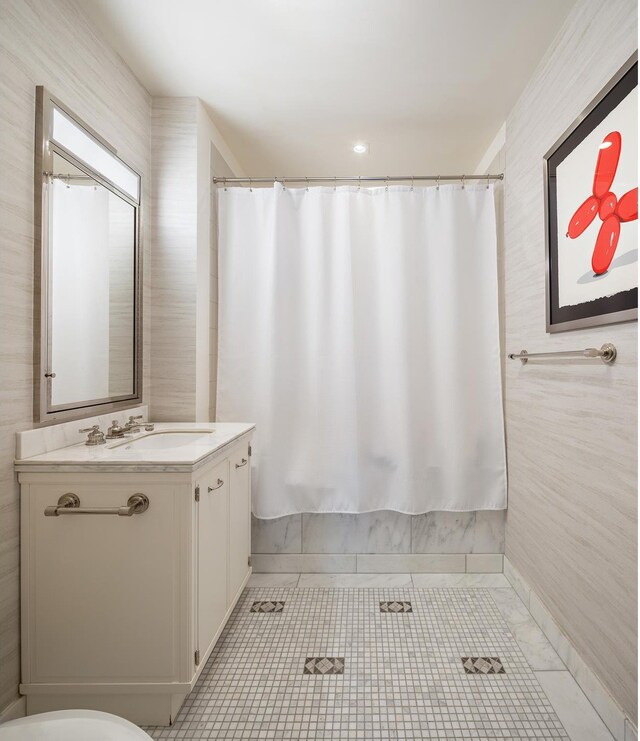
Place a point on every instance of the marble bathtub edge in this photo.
(378, 563)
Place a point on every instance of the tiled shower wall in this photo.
(379, 541)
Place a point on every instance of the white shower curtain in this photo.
(358, 327)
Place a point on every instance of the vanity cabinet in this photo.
(120, 613)
(212, 507)
(239, 520)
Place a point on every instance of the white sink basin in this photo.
(164, 440)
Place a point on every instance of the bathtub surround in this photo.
(326, 297)
(571, 428)
(381, 532)
(451, 542)
(53, 44)
(187, 152)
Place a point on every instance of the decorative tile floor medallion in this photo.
(324, 665)
(395, 606)
(401, 679)
(482, 665)
(267, 606)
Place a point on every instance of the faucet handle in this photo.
(95, 428)
(96, 437)
(133, 419)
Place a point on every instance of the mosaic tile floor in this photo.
(403, 676)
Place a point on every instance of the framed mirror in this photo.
(88, 348)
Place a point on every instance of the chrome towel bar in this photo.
(69, 504)
(607, 353)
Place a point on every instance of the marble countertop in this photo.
(115, 457)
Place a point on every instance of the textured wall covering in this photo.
(174, 263)
(51, 43)
(571, 428)
(187, 151)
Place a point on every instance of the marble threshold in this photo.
(613, 717)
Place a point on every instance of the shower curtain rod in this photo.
(358, 179)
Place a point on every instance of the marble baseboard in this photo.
(375, 563)
(385, 531)
(281, 581)
(304, 563)
(607, 708)
(355, 581)
(532, 641)
(413, 563)
(574, 710)
(484, 563)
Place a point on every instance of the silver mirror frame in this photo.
(44, 412)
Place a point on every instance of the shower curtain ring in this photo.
(463, 177)
(438, 183)
(412, 182)
(386, 180)
(250, 186)
(307, 179)
(359, 182)
(224, 183)
(488, 178)
(335, 186)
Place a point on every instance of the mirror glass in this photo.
(87, 270)
(92, 264)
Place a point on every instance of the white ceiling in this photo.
(293, 84)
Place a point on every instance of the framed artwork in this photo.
(591, 184)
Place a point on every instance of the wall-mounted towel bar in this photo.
(69, 504)
(607, 353)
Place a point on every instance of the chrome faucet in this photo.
(115, 431)
(132, 425)
(95, 437)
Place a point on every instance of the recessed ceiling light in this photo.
(361, 148)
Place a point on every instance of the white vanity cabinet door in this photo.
(239, 518)
(100, 590)
(212, 546)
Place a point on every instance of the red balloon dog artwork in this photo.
(606, 205)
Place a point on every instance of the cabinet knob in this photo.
(213, 488)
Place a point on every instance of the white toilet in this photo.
(72, 725)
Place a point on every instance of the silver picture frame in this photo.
(612, 317)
